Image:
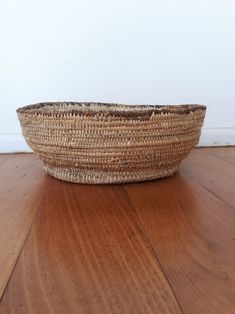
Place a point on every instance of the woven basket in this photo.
(111, 143)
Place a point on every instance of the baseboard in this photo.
(14, 142)
(217, 137)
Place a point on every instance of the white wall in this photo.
(129, 51)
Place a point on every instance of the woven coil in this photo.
(111, 143)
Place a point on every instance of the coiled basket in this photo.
(111, 143)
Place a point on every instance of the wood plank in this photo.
(224, 153)
(22, 185)
(216, 175)
(193, 234)
(87, 254)
(3, 158)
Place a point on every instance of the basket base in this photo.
(87, 176)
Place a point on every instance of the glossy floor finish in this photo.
(165, 246)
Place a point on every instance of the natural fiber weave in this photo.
(110, 143)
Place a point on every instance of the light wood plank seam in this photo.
(151, 246)
(26, 237)
(219, 157)
(214, 194)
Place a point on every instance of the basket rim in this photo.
(117, 109)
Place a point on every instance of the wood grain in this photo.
(225, 153)
(87, 254)
(193, 233)
(214, 174)
(3, 158)
(22, 185)
(166, 246)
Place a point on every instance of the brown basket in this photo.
(111, 143)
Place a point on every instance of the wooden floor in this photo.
(165, 246)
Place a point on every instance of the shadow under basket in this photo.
(111, 143)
